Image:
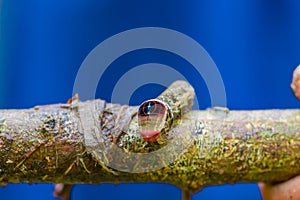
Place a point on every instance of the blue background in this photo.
(254, 43)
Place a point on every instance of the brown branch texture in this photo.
(98, 142)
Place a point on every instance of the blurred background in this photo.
(254, 43)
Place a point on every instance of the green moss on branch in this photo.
(48, 145)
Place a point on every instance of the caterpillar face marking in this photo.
(154, 118)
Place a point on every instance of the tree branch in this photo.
(51, 144)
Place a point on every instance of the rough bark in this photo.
(53, 144)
